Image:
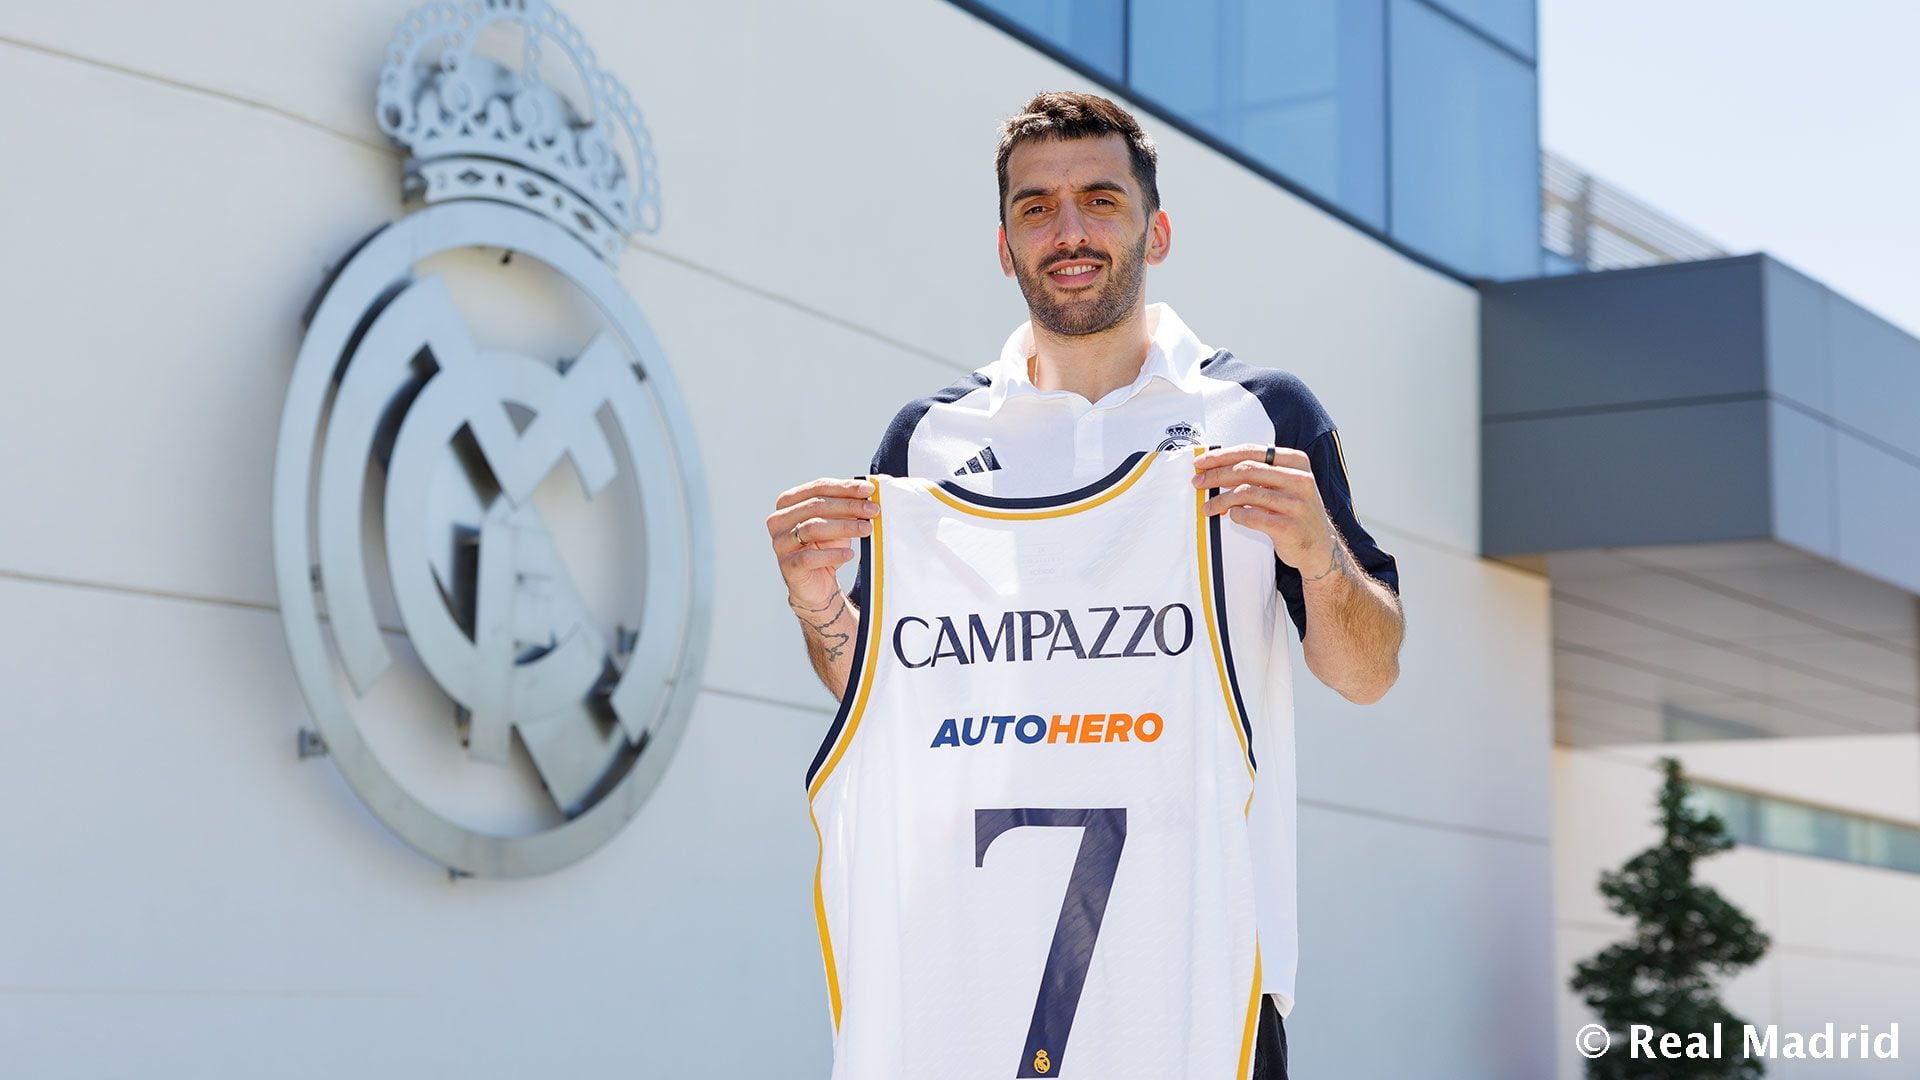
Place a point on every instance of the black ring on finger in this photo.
(1270, 451)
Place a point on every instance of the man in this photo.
(1095, 375)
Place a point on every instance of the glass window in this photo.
(1734, 808)
(1418, 119)
(1091, 31)
(1464, 144)
(1833, 835)
(1297, 85)
(1509, 21)
(1788, 827)
(1810, 830)
(1893, 846)
(1682, 724)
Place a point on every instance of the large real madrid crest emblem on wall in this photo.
(490, 530)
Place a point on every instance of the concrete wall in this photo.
(178, 879)
(1845, 948)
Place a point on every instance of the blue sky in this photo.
(1786, 127)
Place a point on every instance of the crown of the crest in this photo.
(477, 129)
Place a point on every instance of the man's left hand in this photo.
(1281, 500)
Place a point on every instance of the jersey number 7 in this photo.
(1085, 905)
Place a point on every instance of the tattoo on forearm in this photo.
(836, 643)
(1340, 557)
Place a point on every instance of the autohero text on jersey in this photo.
(1131, 630)
(1078, 728)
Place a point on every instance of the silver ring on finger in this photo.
(798, 539)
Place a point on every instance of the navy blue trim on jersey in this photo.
(1219, 601)
(1041, 502)
(1302, 423)
(853, 672)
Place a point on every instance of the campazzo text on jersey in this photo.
(1133, 630)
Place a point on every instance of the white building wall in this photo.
(180, 180)
(1845, 950)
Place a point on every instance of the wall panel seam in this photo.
(1542, 840)
(196, 88)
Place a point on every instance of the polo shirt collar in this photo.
(1175, 355)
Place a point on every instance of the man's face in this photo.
(1077, 235)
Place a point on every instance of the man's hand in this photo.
(1281, 500)
(812, 528)
(1356, 621)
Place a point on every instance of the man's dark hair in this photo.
(1066, 114)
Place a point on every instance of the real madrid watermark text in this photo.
(1767, 1042)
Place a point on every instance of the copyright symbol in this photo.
(1592, 1041)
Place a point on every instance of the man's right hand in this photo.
(812, 528)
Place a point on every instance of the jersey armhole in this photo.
(1210, 550)
(846, 718)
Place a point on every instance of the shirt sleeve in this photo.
(1330, 475)
(1301, 422)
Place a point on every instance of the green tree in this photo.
(1686, 936)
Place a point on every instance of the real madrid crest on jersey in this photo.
(491, 540)
(1180, 434)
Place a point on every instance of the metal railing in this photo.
(1599, 227)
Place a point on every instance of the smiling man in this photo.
(1093, 376)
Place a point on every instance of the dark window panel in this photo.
(1296, 85)
(1465, 146)
(1511, 22)
(1092, 31)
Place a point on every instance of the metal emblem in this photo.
(437, 476)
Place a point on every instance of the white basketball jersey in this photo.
(1032, 802)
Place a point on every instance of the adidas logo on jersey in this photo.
(984, 461)
(1013, 635)
(1078, 728)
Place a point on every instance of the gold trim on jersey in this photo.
(1029, 513)
(1203, 551)
(1340, 455)
(870, 654)
(1247, 1033)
